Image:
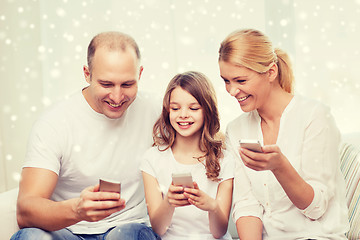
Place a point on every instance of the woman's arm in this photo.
(299, 192)
(319, 165)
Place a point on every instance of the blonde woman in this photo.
(294, 188)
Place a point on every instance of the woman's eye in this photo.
(194, 109)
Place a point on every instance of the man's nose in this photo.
(116, 95)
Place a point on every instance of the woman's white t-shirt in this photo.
(187, 222)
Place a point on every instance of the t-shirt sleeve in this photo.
(147, 162)
(227, 165)
(44, 146)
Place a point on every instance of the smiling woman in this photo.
(299, 137)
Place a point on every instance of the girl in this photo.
(294, 189)
(185, 141)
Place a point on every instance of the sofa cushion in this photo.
(8, 223)
(350, 167)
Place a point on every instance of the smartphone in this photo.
(109, 186)
(253, 145)
(182, 179)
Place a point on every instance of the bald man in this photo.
(99, 132)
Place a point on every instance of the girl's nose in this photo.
(184, 113)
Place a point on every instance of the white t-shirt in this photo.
(81, 146)
(309, 138)
(187, 222)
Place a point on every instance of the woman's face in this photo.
(251, 89)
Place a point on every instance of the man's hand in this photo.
(93, 205)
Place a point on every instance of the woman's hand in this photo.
(175, 196)
(199, 198)
(271, 158)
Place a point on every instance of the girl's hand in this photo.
(271, 158)
(199, 198)
(175, 196)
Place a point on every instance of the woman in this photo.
(294, 188)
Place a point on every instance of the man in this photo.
(100, 132)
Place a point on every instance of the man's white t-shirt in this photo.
(309, 139)
(81, 146)
(188, 222)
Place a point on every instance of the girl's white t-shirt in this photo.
(188, 222)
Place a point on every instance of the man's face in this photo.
(113, 81)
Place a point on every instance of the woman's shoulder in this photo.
(310, 106)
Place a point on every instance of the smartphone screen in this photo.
(182, 179)
(253, 145)
(109, 186)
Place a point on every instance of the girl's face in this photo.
(186, 114)
(250, 88)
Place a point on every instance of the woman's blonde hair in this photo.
(252, 49)
(202, 90)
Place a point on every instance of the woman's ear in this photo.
(273, 72)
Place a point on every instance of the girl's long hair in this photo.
(202, 90)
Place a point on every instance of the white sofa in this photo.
(350, 166)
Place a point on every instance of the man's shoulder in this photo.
(57, 112)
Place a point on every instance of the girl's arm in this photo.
(249, 228)
(218, 209)
(161, 209)
(219, 217)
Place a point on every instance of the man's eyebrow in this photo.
(104, 81)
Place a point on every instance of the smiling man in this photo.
(99, 132)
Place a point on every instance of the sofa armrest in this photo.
(8, 222)
(350, 167)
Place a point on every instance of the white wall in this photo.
(43, 48)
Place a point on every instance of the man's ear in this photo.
(86, 73)
(140, 71)
(273, 72)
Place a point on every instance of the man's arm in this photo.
(35, 209)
